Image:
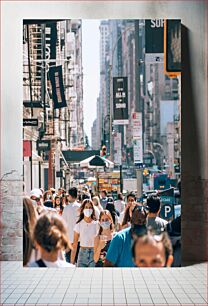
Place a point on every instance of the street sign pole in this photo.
(121, 179)
(31, 168)
(111, 113)
(139, 174)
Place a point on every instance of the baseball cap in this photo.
(36, 192)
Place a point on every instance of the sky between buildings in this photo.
(91, 71)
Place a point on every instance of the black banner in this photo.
(43, 145)
(173, 45)
(120, 100)
(30, 122)
(51, 38)
(154, 36)
(58, 95)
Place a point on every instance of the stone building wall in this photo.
(11, 218)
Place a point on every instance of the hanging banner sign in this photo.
(43, 145)
(137, 125)
(117, 148)
(154, 36)
(58, 95)
(138, 151)
(27, 148)
(120, 100)
(30, 122)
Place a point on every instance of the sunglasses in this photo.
(141, 208)
(131, 200)
(36, 199)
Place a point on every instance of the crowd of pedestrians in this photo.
(83, 229)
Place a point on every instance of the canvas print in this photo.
(102, 143)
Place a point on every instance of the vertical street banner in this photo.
(138, 151)
(117, 149)
(137, 125)
(58, 94)
(137, 137)
(51, 39)
(120, 101)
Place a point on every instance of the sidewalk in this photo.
(97, 286)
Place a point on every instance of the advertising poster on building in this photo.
(154, 40)
(154, 35)
(173, 45)
(120, 100)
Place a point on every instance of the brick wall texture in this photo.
(11, 220)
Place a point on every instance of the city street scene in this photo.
(102, 143)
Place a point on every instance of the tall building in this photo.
(94, 144)
(103, 106)
(122, 53)
(159, 87)
(45, 46)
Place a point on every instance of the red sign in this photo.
(27, 148)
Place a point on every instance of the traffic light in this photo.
(145, 172)
(103, 151)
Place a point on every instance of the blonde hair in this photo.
(97, 199)
(106, 212)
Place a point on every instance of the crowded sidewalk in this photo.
(83, 229)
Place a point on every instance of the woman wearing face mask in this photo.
(104, 237)
(85, 230)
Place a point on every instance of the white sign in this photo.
(137, 125)
(157, 23)
(117, 148)
(152, 58)
(130, 184)
(121, 122)
(138, 151)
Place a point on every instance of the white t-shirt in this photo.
(70, 215)
(56, 264)
(119, 205)
(87, 232)
(120, 218)
(97, 212)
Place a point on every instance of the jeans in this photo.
(68, 254)
(85, 258)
